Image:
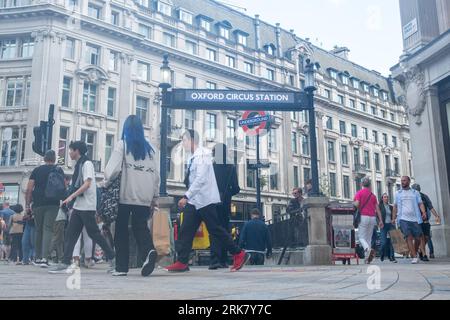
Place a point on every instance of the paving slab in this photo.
(402, 281)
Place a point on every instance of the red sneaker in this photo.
(239, 260)
(177, 267)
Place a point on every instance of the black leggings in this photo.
(139, 224)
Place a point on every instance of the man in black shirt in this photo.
(295, 205)
(426, 227)
(43, 209)
(228, 184)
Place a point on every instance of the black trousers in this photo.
(218, 250)
(78, 219)
(256, 259)
(16, 247)
(192, 219)
(139, 225)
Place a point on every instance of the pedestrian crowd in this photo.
(61, 228)
(410, 213)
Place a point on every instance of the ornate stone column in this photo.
(125, 97)
(46, 82)
(422, 105)
(318, 252)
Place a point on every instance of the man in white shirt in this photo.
(84, 192)
(199, 204)
(410, 213)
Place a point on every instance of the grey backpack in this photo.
(55, 188)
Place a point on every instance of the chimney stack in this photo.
(342, 52)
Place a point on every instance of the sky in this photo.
(371, 29)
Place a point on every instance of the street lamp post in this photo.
(258, 176)
(165, 86)
(310, 87)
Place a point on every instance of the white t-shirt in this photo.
(87, 201)
(408, 202)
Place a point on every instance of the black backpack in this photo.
(55, 188)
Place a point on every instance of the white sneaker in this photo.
(119, 274)
(89, 263)
(37, 263)
(112, 266)
(44, 263)
(415, 261)
(63, 269)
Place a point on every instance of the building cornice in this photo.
(327, 104)
(75, 18)
(426, 53)
(133, 38)
(129, 35)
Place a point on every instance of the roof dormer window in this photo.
(376, 92)
(185, 16)
(366, 87)
(242, 39)
(345, 80)
(164, 8)
(224, 33)
(205, 25)
(224, 28)
(333, 74)
(204, 22)
(270, 49)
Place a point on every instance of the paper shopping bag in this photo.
(398, 241)
(161, 232)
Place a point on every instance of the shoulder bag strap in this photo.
(367, 201)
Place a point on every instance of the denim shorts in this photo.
(409, 228)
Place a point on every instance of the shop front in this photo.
(9, 193)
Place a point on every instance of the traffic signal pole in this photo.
(43, 133)
(50, 123)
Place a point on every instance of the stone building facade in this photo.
(98, 61)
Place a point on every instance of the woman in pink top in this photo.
(366, 202)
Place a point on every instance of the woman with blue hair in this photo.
(134, 157)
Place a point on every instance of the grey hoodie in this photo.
(140, 179)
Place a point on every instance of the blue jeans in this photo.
(386, 245)
(430, 246)
(28, 243)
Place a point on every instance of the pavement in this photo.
(402, 281)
